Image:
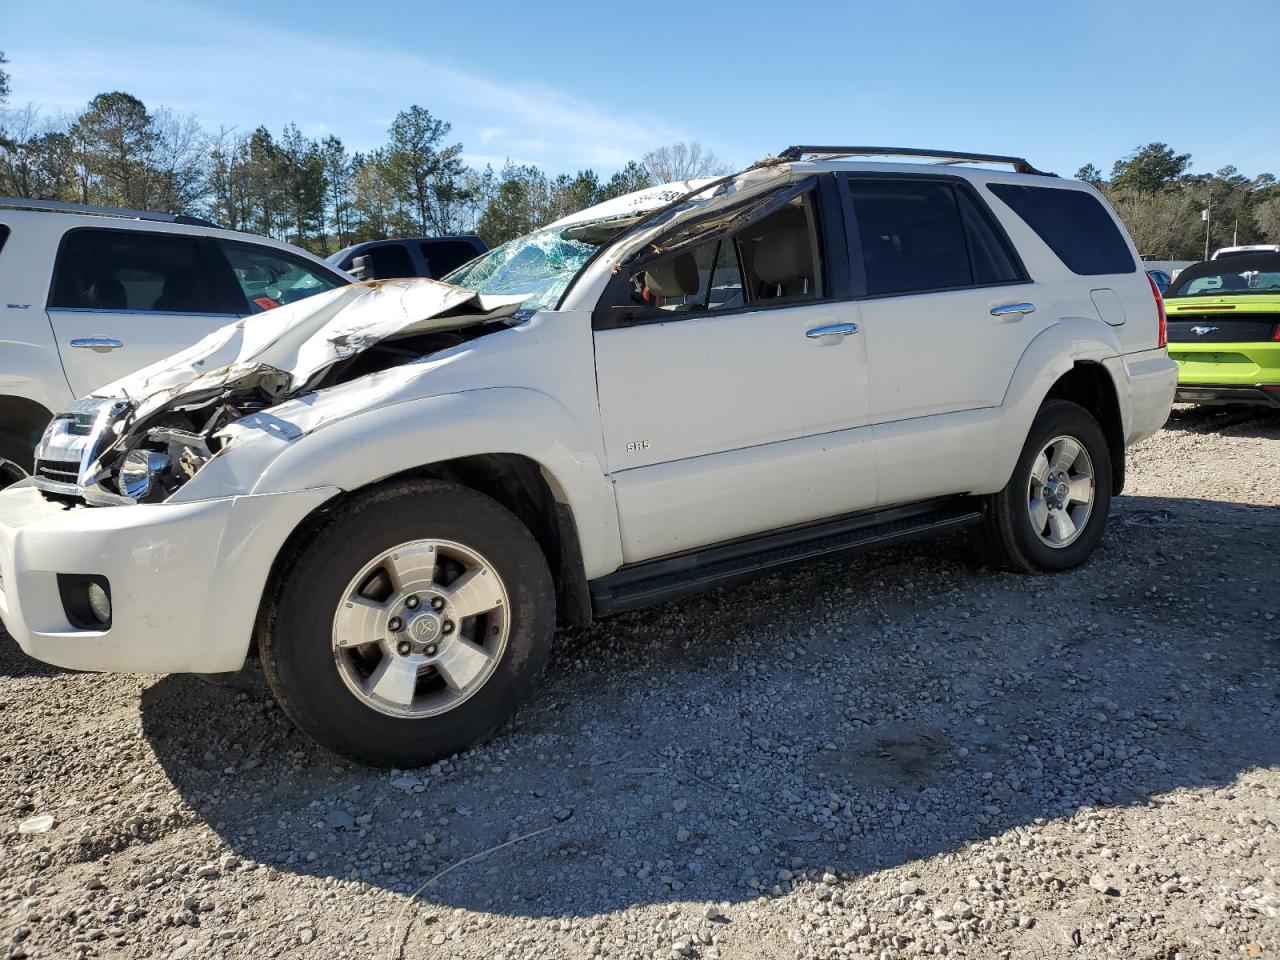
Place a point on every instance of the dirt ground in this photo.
(896, 755)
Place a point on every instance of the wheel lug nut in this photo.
(403, 648)
(396, 624)
(412, 603)
(437, 603)
(430, 650)
(447, 627)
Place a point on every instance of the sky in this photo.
(567, 85)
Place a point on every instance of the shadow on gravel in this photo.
(859, 714)
(1235, 420)
(16, 664)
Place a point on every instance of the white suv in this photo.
(400, 486)
(90, 294)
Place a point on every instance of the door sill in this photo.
(667, 578)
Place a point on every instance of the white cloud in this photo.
(221, 69)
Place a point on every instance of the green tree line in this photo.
(317, 193)
(1161, 202)
(313, 192)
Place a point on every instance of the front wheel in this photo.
(1053, 512)
(411, 626)
(17, 457)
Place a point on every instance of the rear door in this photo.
(944, 298)
(122, 299)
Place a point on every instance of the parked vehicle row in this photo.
(92, 294)
(400, 488)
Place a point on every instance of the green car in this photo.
(1224, 330)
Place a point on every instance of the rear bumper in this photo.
(1227, 364)
(1266, 395)
(185, 579)
(1149, 379)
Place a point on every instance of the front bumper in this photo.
(186, 579)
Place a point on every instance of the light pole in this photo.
(1204, 215)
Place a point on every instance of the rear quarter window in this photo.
(1073, 224)
(4, 235)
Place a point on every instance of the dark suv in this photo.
(433, 257)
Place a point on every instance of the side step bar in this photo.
(653, 581)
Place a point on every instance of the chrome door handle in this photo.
(832, 330)
(1009, 309)
(101, 344)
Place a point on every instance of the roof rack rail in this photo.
(945, 156)
(62, 206)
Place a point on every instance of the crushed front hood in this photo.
(270, 357)
(304, 339)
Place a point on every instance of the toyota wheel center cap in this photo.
(424, 628)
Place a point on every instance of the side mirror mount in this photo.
(361, 268)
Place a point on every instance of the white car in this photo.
(1244, 251)
(90, 294)
(399, 487)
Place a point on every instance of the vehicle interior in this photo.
(775, 258)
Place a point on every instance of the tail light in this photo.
(1276, 336)
(1163, 334)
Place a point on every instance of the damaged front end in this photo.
(147, 435)
(108, 451)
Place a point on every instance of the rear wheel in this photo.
(1053, 512)
(412, 626)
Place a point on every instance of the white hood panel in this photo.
(306, 338)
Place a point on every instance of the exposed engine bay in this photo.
(150, 433)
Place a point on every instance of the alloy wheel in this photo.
(1060, 491)
(421, 628)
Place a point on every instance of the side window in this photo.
(390, 261)
(4, 235)
(446, 256)
(774, 260)
(988, 250)
(1073, 224)
(130, 270)
(912, 235)
(271, 278)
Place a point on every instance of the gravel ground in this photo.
(890, 756)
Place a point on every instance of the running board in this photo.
(654, 581)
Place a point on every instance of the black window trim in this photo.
(832, 255)
(957, 183)
(210, 266)
(235, 292)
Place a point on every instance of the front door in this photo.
(734, 394)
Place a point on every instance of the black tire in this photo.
(1007, 537)
(296, 644)
(17, 458)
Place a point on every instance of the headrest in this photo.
(676, 277)
(783, 255)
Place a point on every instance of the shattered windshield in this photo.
(541, 264)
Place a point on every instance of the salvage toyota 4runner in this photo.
(400, 487)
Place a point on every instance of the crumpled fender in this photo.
(367, 446)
